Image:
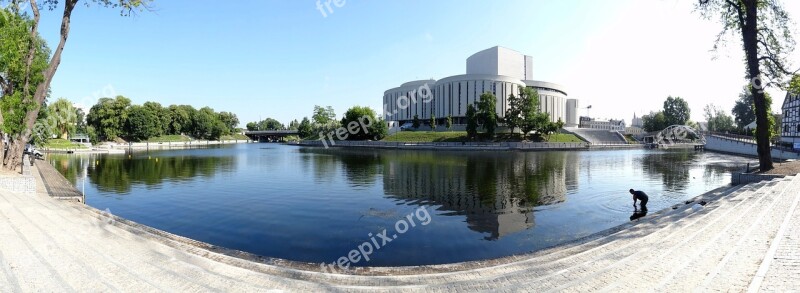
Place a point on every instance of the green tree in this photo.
(472, 122)
(44, 127)
(142, 123)
(80, 124)
(356, 118)
(322, 115)
(676, 111)
(533, 120)
(62, 118)
(108, 117)
(743, 111)
(449, 122)
(717, 119)
(655, 121)
(39, 78)
(415, 123)
(794, 85)
(433, 122)
(180, 119)
(229, 120)
(162, 117)
(305, 129)
(763, 27)
(513, 117)
(23, 57)
(487, 113)
(207, 125)
(294, 125)
(252, 126)
(379, 129)
(184, 118)
(270, 124)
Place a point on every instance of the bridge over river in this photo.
(269, 135)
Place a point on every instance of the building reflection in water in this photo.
(496, 192)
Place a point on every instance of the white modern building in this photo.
(500, 71)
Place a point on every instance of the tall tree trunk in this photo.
(14, 158)
(750, 41)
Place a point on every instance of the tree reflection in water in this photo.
(117, 173)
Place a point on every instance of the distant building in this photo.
(637, 121)
(633, 130)
(572, 113)
(790, 130)
(612, 125)
(497, 70)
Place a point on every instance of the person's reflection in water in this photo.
(638, 214)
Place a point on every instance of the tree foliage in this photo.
(110, 119)
(513, 115)
(487, 113)
(37, 73)
(655, 121)
(23, 57)
(305, 129)
(763, 27)
(472, 122)
(676, 111)
(62, 118)
(141, 124)
(524, 112)
(717, 119)
(362, 123)
(324, 115)
(744, 110)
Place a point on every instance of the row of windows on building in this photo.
(407, 108)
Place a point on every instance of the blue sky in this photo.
(260, 58)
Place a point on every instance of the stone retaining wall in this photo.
(745, 178)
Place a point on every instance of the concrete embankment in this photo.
(745, 148)
(743, 238)
(110, 147)
(468, 146)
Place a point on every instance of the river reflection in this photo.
(314, 204)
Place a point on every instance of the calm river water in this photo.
(316, 205)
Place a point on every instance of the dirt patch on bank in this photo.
(785, 168)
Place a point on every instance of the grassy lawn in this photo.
(59, 143)
(564, 137)
(237, 136)
(427, 136)
(169, 138)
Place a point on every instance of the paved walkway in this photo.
(745, 238)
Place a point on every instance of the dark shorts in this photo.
(643, 204)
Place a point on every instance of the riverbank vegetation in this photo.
(368, 125)
(60, 143)
(110, 119)
(27, 67)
